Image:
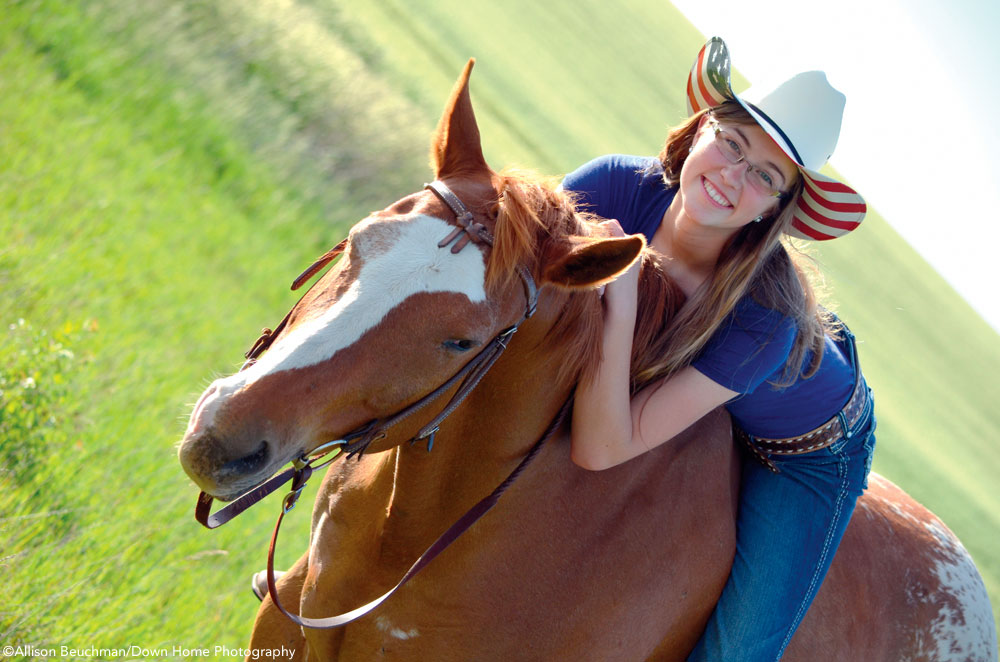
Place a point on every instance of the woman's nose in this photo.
(732, 174)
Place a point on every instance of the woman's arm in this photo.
(654, 416)
(601, 416)
(608, 426)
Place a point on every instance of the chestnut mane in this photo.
(532, 213)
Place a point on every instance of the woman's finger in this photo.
(612, 228)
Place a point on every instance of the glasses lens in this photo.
(728, 145)
(762, 181)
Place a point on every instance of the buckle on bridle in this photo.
(429, 436)
(504, 336)
(290, 499)
(306, 459)
(304, 469)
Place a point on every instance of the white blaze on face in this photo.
(398, 259)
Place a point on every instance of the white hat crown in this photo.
(805, 112)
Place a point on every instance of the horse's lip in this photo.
(245, 486)
(226, 498)
(232, 495)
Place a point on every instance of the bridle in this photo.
(358, 440)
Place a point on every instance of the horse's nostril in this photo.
(247, 464)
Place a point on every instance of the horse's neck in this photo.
(382, 515)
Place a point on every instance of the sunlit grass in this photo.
(157, 237)
(166, 172)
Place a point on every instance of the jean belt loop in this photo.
(843, 424)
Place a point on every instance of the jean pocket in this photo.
(836, 447)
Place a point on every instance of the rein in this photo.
(357, 441)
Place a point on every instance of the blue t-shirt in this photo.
(751, 347)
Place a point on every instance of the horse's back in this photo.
(901, 587)
(621, 564)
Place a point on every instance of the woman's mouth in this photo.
(714, 195)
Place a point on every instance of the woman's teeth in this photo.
(714, 194)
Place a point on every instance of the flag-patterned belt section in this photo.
(814, 440)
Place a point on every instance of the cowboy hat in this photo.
(802, 115)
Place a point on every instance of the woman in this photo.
(730, 182)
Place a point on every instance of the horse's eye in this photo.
(459, 344)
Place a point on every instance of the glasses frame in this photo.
(726, 151)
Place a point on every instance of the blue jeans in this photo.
(788, 528)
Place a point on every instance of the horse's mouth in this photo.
(227, 480)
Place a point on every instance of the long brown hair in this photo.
(756, 261)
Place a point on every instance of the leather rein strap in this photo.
(357, 441)
(451, 535)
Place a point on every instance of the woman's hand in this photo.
(612, 228)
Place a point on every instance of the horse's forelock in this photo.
(520, 227)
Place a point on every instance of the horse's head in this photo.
(397, 315)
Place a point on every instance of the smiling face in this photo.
(717, 193)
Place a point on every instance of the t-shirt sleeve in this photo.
(751, 346)
(603, 186)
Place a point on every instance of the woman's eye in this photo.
(735, 146)
(460, 344)
(766, 178)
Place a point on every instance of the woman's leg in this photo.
(788, 529)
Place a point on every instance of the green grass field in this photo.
(165, 170)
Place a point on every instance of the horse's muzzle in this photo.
(215, 470)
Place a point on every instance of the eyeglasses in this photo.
(761, 180)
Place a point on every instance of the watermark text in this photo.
(134, 651)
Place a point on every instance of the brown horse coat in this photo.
(623, 564)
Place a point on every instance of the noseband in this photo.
(357, 441)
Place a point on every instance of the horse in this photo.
(621, 564)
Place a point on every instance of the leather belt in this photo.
(814, 440)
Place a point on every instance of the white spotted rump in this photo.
(964, 628)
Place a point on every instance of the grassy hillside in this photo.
(166, 170)
(158, 190)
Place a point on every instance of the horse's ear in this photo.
(456, 147)
(590, 262)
